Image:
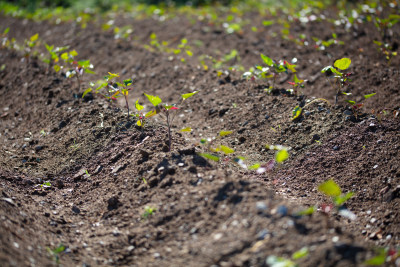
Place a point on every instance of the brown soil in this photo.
(207, 213)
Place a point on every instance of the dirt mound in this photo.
(78, 172)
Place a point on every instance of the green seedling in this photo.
(77, 68)
(298, 110)
(386, 50)
(357, 106)
(148, 211)
(5, 42)
(384, 255)
(54, 56)
(30, 45)
(322, 45)
(45, 185)
(297, 83)
(55, 253)
(42, 133)
(274, 261)
(75, 146)
(114, 89)
(208, 143)
(340, 80)
(384, 24)
(271, 71)
(332, 190)
(169, 111)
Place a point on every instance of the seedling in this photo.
(4, 39)
(148, 211)
(114, 88)
(54, 56)
(274, 261)
(357, 106)
(29, 45)
(386, 50)
(45, 185)
(169, 111)
(298, 110)
(271, 71)
(331, 189)
(55, 253)
(75, 146)
(209, 145)
(297, 83)
(385, 255)
(322, 45)
(78, 67)
(340, 80)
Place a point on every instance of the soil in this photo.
(104, 170)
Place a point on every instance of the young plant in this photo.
(340, 80)
(221, 148)
(114, 89)
(357, 106)
(148, 211)
(271, 71)
(30, 45)
(297, 83)
(77, 68)
(169, 111)
(331, 189)
(54, 56)
(274, 261)
(55, 253)
(384, 255)
(386, 50)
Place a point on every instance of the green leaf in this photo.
(224, 133)
(301, 253)
(281, 155)
(86, 92)
(274, 261)
(268, 22)
(308, 211)
(138, 106)
(151, 113)
(89, 71)
(59, 249)
(226, 150)
(57, 68)
(351, 102)
(296, 112)
(153, 36)
(186, 96)
(209, 156)
(64, 56)
(295, 79)
(342, 63)
(340, 200)
(268, 61)
(370, 95)
(255, 166)
(187, 129)
(73, 53)
(34, 37)
(6, 31)
(128, 82)
(378, 259)
(155, 100)
(330, 188)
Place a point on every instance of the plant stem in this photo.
(169, 131)
(79, 83)
(127, 105)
